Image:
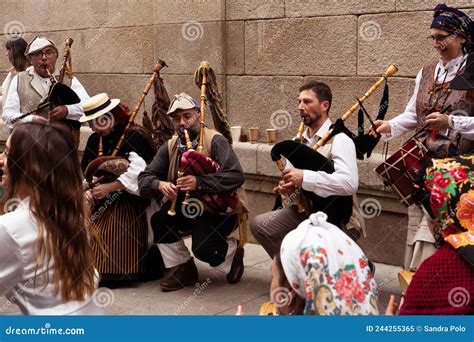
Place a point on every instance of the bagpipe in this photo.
(338, 208)
(195, 162)
(59, 94)
(105, 169)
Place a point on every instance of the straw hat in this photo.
(97, 105)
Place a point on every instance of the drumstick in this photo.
(442, 111)
(434, 132)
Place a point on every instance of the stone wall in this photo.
(262, 51)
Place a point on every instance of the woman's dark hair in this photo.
(16, 53)
(43, 159)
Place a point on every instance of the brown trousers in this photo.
(270, 228)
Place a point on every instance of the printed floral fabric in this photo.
(345, 292)
(450, 182)
(327, 268)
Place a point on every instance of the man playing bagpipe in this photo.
(32, 89)
(329, 189)
(208, 188)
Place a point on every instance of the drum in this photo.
(400, 170)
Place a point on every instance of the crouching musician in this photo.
(210, 176)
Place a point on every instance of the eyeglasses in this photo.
(48, 53)
(440, 38)
(187, 117)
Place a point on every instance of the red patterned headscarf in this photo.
(450, 182)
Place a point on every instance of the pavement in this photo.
(212, 295)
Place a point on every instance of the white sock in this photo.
(229, 257)
(174, 254)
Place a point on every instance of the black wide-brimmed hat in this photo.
(465, 81)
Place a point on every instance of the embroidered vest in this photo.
(452, 143)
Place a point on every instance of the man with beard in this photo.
(314, 103)
(210, 230)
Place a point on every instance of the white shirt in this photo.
(5, 86)
(344, 181)
(11, 108)
(406, 121)
(18, 252)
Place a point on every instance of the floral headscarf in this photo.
(450, 182)
(326, 267)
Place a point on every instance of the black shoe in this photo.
(154, 266)
(237, 268)
(372, 267)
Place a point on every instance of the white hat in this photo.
(182, 101)
(96, 106)
(39, 43)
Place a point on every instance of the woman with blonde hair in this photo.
(47, 265)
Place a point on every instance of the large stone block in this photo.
(235, 47)
(247, 155)
(265, 165)
(386, 233)
(259, 9)
(301, 8)
(394, 38)
(12, 18)
(51, 15)
(116, 50)
(260, 191)
(416, 5)
(184, 50)
(367, 176)
(108, 50)
(314, 46)
(187, 11)
(113, 85)
(129, 13)
(265, 102)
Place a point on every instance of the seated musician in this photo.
(30, 87)
(210, 230)
(451, 132)
(314, 103)
(118, 213)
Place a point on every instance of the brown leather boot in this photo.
(180, 276)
